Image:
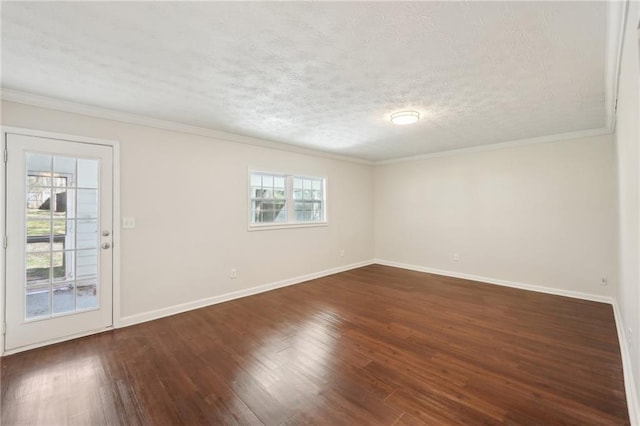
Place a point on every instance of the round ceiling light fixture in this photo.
(402, 118)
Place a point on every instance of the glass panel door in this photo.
(59, 219)
(61, 235)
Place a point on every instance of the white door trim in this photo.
(116, 217)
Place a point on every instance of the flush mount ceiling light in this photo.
(405, 117)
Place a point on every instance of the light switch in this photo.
(128, 222)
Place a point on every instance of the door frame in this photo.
(115, 145)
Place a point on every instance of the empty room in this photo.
(320, 213)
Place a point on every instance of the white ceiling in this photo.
(323, 75)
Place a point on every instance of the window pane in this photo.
(269, 196)
(256, 192)
(256, 180)
(63, 298)
(38, 299)
(282, 216)
(278, 182)
(87, 173)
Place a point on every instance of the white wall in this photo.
(541, 215)
(189, 197)
(627, 139)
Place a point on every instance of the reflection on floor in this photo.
(375, 345)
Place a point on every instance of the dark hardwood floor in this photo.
(375, 345)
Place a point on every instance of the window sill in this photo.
(286, 226)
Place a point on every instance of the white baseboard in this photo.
(188, 306)
(488, 280)
(627, 368)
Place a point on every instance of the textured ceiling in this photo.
(323, 75)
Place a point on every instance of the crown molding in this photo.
(616, 13)
(502, 145)
(109, 114)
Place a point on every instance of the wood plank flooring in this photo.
(371, 346)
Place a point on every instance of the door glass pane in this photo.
(87, 231)
(65, 166)
(38, 235)
(63, 265)
(38, 267)
(39, 246)
(60, 202)
(87, 173)
(62, 235)
(63, 298)
(38, 302)
(38, 202)
(39, 228)
(86, 294)
(38, 163)
(86, 263)
(59, 181)
(68, 197)
(87, 203)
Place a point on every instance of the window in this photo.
(279, 200)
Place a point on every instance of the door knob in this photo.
(106, 246)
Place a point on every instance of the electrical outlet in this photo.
(341, 253)
(604, 281)
(234, 274)
(456, 257)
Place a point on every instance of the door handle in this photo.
(106, 246)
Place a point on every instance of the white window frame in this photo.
(291, 222)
